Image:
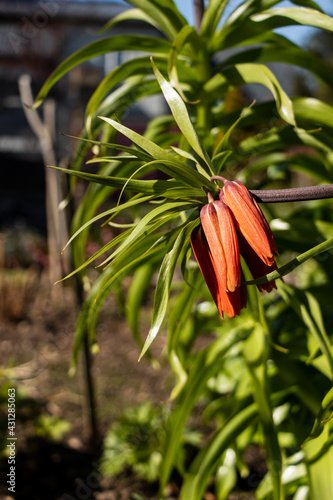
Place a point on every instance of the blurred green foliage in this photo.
(264, 378)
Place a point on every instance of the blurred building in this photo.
(35, 36)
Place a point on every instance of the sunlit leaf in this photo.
(164, 283)
(293, 264)
(181, 116)
(295, 15)
(98, 48)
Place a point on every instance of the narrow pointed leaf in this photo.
(146, 144)
(100, 47)
(295, 15)
(202, 469)
(297, 261)
(212, 16)
(135, 297)
(205, 365)
(165, 14)
(289, 55)
(137, 66)
(129, 15)
(164, 283)
(115, 210)
(181, 116)
(174, 208)
(144, 187)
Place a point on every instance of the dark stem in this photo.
(293, 194)
(289, 194)
(198, 13)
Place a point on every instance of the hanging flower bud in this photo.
(215, 247)
(249, 220)
(256, 240)
(219, 229)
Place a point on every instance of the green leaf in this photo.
(206, 364)
(251, 23)
(180, 172)
(324, 415)
(308, 309)
(294, 263)
(276, 53)
(129, 15)
(140, 155)
(135, 296)
(138, 66)
(189, 38)
(246, 9)
(182, 308)
(255, 350)
(312, 165)
(93, 198)
(212, 16)
(164, 283)
(314, 111)
(308, 3)
(146, 144)
(293, 475)
(131, 91)
(100, 47)
(115, 241)
(239, 29)
(295, 15)
(144, 249)
(174, 207)
(223, 146)
(168, 163)
(181, 117)
(141, 252)
(165, 14)
(115, 210)
(242, 74)
(319, 461)
(201, 470)
(155, 187)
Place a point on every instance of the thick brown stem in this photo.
(198, 13)
(289, 194)
(293, 194)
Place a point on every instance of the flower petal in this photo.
(256, 266)
(202, 254)
(249, 220)
(218, 225)
(227, 302)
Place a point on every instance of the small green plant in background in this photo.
(134, 441)
(51, 427)
(29, 413)
(263, 378)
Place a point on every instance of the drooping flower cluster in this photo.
(231, 226)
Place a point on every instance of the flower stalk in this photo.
(293, 194)
(306, 193)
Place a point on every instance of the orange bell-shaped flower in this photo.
(216, 249)
(218, 226)
(255, 237)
